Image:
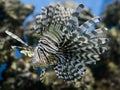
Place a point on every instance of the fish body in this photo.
(66, 45)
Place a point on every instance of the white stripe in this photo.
(15, 37)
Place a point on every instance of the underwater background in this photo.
(15, 70)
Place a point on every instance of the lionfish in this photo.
(64, 44)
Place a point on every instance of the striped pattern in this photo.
(63, 45)
(52, 15)
(63, 39)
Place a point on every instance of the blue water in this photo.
(2, 68)
(96, 6)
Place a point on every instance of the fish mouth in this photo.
(40, 58)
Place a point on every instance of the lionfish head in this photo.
(41, 57)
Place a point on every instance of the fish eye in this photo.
(42, 41)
